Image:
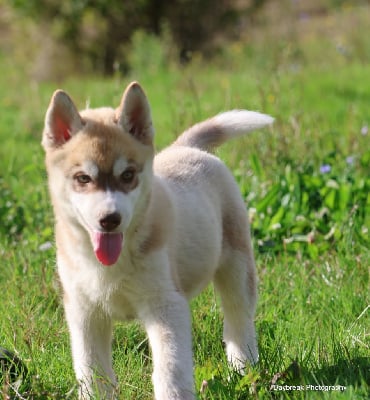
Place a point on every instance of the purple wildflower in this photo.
(364, 130)
(350, 160)
(325, 168)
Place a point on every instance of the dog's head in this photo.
(99, 164)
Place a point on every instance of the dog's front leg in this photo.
(91, 333)
(167, 322)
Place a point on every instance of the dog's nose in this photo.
(110, 221)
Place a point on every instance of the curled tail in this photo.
(211, 133)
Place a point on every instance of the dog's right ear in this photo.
(62, 120)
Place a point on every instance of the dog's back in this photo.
(210, 215)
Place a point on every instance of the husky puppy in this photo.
(138, 235)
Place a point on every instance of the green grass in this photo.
(313, 311)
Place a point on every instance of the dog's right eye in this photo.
(83, 179)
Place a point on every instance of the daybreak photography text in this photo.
(302, 388)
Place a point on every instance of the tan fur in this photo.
(163, 227)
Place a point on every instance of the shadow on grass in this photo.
(354, 372)
(345, 372)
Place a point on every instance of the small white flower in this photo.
(364, 130)
(45, 246)
(276, 226)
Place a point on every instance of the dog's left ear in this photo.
(133, 114)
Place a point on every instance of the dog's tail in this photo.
(211, 133)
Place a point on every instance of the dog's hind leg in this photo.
(236, 282)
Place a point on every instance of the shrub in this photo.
(309, 208)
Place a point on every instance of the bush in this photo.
(98, 33)
(310, 209)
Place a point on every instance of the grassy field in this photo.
(306, 183)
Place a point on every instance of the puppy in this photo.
(138, 235)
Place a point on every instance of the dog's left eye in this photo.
(128, 175)
(83, 179)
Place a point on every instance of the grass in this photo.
(310, 226)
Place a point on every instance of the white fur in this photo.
(119, 166)
(239, 122)
(90, 209)
(183, 226)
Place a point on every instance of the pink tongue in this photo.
(107, 246)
